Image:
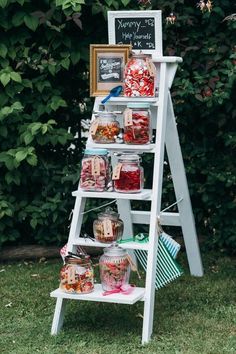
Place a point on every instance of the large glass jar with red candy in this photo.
(108, 227)
(95, 172)
(128, 174)
(137, 124)
(105, 128)
(77, 275)
(139, 76)
(114, 268)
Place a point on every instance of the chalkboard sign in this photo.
(142, 29)
(140, 32)
(110, 69)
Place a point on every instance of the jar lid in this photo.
(138, 105)
(129, 157)
(96, 151)
(109, 213)
(114, 250)
(106, 115)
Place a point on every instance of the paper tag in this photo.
(128, 115)
(71, 275)
(116, 171)
(93, 127)
(107, 227)
(95, 167)
(131, 262)
(151, 67)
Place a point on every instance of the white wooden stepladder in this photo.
(163, 120)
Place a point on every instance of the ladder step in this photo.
(80, 241)
(123, 147)
(154, 101)
(143, 217)
(145, 194)
(96, 295)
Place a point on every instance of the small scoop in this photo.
(113, 93)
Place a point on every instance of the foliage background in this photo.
(44, 96)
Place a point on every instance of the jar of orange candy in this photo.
(77, 275)
(105, 128)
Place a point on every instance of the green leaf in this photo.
(3, 3)
(33, 223)
(65, 63)
(18, 18)
(3, 50)
(31, 22)
(28, 138)
(125, 2)
(15, 76)
(32, 160)
(75, 57)
(5, 78)
(21, 155)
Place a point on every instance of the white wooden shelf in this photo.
(121, 100)
(146, 194)
(121, 147)
(80, 241)
(97, 295)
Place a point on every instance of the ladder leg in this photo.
(76, 222)
(58, 316)
(181, 191)
(155, 208)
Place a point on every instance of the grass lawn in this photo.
(192, 315)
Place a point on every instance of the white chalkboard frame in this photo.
(156, 14)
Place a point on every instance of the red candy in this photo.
(129, 181)
(139, 80)
(139, 132)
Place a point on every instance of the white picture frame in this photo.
(135, 23)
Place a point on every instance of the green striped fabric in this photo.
(167, 269)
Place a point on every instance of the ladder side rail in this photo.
(155, 206)
(181, 191)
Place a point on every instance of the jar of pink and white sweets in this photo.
(95, 172)
(114, 268)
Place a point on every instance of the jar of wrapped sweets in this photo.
(114, 268)
(139, 76)
(137, 124)
(77, 275)
(105, 128)
(95, 170)
(108, 227)
(128, 174)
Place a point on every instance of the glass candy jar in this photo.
(105, 128)
(140, 75)
(76, 275)
(108, 227)
(95, 170)
(128, 174)
(114, 268)
(137, 124)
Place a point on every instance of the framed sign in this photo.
(107, 64)
(142, 29)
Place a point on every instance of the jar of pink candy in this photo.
(95, 170)
(140, 75)
(114, 268)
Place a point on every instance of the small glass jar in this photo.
(95, 172)
(139, 76)
(105, 128)
(128, 174)
(137, 129)
(77, 276)
(114, 268)
(108, 227)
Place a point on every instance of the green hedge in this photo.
(44, 62)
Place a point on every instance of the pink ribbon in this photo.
(123, 289)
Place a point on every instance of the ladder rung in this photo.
(80, 241)
(145, 194)
(143, 217)
(123, 147)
